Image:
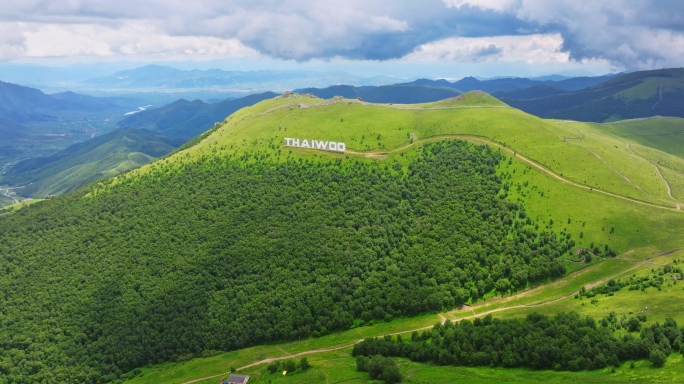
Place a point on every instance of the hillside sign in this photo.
(315, 144)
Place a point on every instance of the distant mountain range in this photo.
(426, 90)
(23, 104)
(511, 84)
(83, 163)
(163, 77)
(400, 93)
(633, 95)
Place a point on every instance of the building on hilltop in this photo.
(237, 379)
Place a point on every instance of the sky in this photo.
(409, 38)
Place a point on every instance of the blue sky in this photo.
(431, 38)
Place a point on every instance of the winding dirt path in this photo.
(636, 265)
(486, 140)
(660, 95)
(618, 172)
(662, 177)
(443, 319)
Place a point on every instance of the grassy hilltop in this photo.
(235, 241)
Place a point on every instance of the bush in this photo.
(362, 364)
(290, 366)
(657, 358)
(273, 367)
(384, 368)
(304, 364)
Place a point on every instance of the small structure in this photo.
(237, 379)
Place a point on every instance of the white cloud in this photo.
(532, 49)
(496, 5)
(134, 38)
(12, 41)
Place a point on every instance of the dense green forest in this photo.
(226, 252)
(565, 342)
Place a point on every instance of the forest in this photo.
(567, 342)
(223, 253)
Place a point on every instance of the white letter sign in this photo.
(316, 144)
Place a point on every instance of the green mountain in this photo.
(187, 119)
(83, 163)
(534, 92)
(237, 240)
(23, 104)
(629, 96)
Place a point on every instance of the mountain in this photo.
(24, 104)
(187, 119)
(83, 163)
(10, 131)
(399, 94)
(237, 240)
(506, 84)
(426, 90)
(534, 92)
(33, 123)
(633, 95)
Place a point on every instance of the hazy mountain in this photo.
(163, 77)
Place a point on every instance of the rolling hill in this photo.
(83, 163)
(634, 95)
(236, 240)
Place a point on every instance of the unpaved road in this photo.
(519, 156)
(443, 318)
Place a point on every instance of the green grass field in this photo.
(557, 170)
(663, 133)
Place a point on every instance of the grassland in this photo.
(599, 160)
(576, 177)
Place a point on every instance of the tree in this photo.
(362, 363)
(273, 367)
(657, 358)
(633, 324)
(290, 366)
(304, 364)
(391, 374)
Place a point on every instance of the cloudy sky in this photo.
(381, 36)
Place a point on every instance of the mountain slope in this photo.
(187, 119)
(23, 104)
(634, 95)
(83, 163)
(236, 239)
